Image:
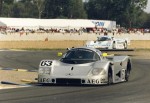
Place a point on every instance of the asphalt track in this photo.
(137, 90)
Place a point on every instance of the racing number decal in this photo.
(46, 63)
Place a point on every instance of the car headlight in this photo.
(47, 70)
(103, 72)
(44, 70)
(97, 71)
(41, 70)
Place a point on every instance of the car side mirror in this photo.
(110, 57)
(59, 54)
(104, 54)
(68, 48)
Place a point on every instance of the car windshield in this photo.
(103, 39)
(80, 56)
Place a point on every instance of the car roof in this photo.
(89, 48)
(105, 36)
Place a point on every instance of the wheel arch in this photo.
(110, 69)
(128, 70)
(129, 65)
(125, 44)
(110, 74)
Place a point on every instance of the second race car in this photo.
(108, 42)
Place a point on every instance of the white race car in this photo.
(85, 66)
(108, 42)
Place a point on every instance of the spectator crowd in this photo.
(40, 30)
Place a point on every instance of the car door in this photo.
(119, 69)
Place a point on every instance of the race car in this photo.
(85, 66)
(108, 42)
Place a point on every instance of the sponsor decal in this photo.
(98, 23)
(45, 80)
(46, 63)
(93, 81)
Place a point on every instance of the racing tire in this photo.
(127, 72)
(125, 45)
(113, 45)
(110, 80)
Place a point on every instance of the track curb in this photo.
(13, 83)
(27, 81)
(19, 70)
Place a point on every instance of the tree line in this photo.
(127, 13)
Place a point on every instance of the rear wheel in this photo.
(125, 45)
(127, 73)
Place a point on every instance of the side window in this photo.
(96, 56)
(108, 39)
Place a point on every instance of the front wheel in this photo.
(127, 73)
(110, 80)
(114, 45)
